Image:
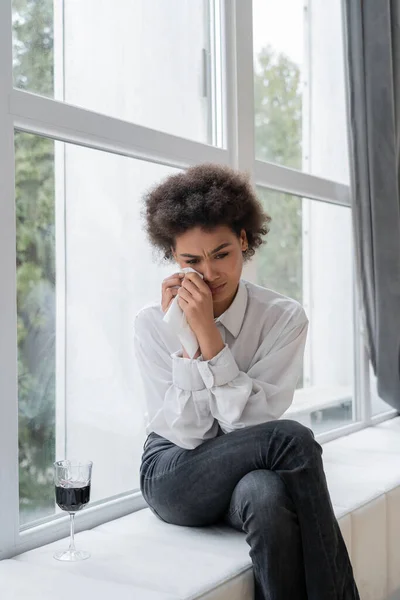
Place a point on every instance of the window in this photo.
(94, 111)
(147, 62)
(303, 259)
(77, 226)
(300, 113)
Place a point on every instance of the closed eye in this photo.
(193, 261)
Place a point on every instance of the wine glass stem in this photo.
(72, 530)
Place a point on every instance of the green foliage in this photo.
(36, 320)
(279, 263)
(278, 110)
(33, 45)
(34, 197)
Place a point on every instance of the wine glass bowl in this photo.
(72, 479)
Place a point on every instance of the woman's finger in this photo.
(197, 281)
(185, 294)
(168, 297)
(182, 303)
(172, 291)
(173, 294)
(171, 281)
(187, 284)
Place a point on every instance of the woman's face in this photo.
(217, 255)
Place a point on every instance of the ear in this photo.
(243, 240)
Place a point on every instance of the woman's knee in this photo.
(259, 491)
(301, 435)
(295, 428)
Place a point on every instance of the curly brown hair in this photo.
(206, 196)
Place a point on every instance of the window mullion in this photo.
(238, 18)
(51, 118)
(239, 91)
(9, 515)
(61, 300)
(290, 181)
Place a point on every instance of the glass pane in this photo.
(300, 112)
(36, 301)
(378, 406)
(147, 62)
(78, 216)
(280, 261)
(308, 256)
(33, 46)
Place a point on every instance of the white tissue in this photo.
(176, 320)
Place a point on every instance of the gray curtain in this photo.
(373, 72)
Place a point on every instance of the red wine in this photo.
(72, 499)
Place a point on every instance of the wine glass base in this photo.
(71, 555)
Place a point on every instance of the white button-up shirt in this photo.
(250, 381)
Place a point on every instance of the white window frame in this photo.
(35, 114)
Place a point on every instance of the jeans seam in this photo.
(175, 469)
(155, 511)
(232, 513)
(202, 457)
(301, 452)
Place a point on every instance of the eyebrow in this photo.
(213, 251)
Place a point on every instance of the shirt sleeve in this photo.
(262, 394)
(177, 401)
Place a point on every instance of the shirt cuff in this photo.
(185, 374)
(219, 370)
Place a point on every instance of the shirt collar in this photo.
(233, 317)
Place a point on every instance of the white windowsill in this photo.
(55, 528)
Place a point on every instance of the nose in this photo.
(209, 272)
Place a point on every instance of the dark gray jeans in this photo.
(268, 481)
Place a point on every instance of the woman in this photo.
(216, 449)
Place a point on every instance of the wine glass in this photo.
(72, 479)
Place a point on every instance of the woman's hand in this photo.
(186, 355)
(169, 288)
(195, 299)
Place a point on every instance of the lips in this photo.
(217, 288)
